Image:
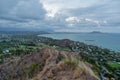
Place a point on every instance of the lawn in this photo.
(114, 65)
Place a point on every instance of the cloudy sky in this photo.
(61, 15)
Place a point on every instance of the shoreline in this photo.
(86, 41)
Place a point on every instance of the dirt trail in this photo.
(61, 71)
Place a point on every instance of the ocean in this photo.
(104, 40)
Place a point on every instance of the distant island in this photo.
(94, 32)
(75, 32)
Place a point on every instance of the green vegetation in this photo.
(114, 65)
(1, 61)
(18, 45)
(33, 69)
(72, 63)
(64, 49)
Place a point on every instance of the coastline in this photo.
(104, 40)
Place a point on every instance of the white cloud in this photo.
(93, 21)
(51, 11)
(77, 21)
(105, 22)
(72, 19)
(58, 6)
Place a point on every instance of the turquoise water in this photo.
(110, 41)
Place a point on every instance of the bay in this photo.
(104, 40)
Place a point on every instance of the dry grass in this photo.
(77, 72)
(71, 62)
(79, 67)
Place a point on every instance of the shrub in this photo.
(1, 61)
(32, 69)
(72, 63)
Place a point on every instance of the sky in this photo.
(60, 15)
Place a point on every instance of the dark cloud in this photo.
(7, 5)
(21, 9)
(30, 10)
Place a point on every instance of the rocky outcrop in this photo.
(48, 64)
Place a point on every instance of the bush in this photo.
(72, 63)
(32, 69)
(1, 61)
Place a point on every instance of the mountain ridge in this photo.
(48, 64)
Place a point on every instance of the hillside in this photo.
(47, 64)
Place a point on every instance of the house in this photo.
(6, 51)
